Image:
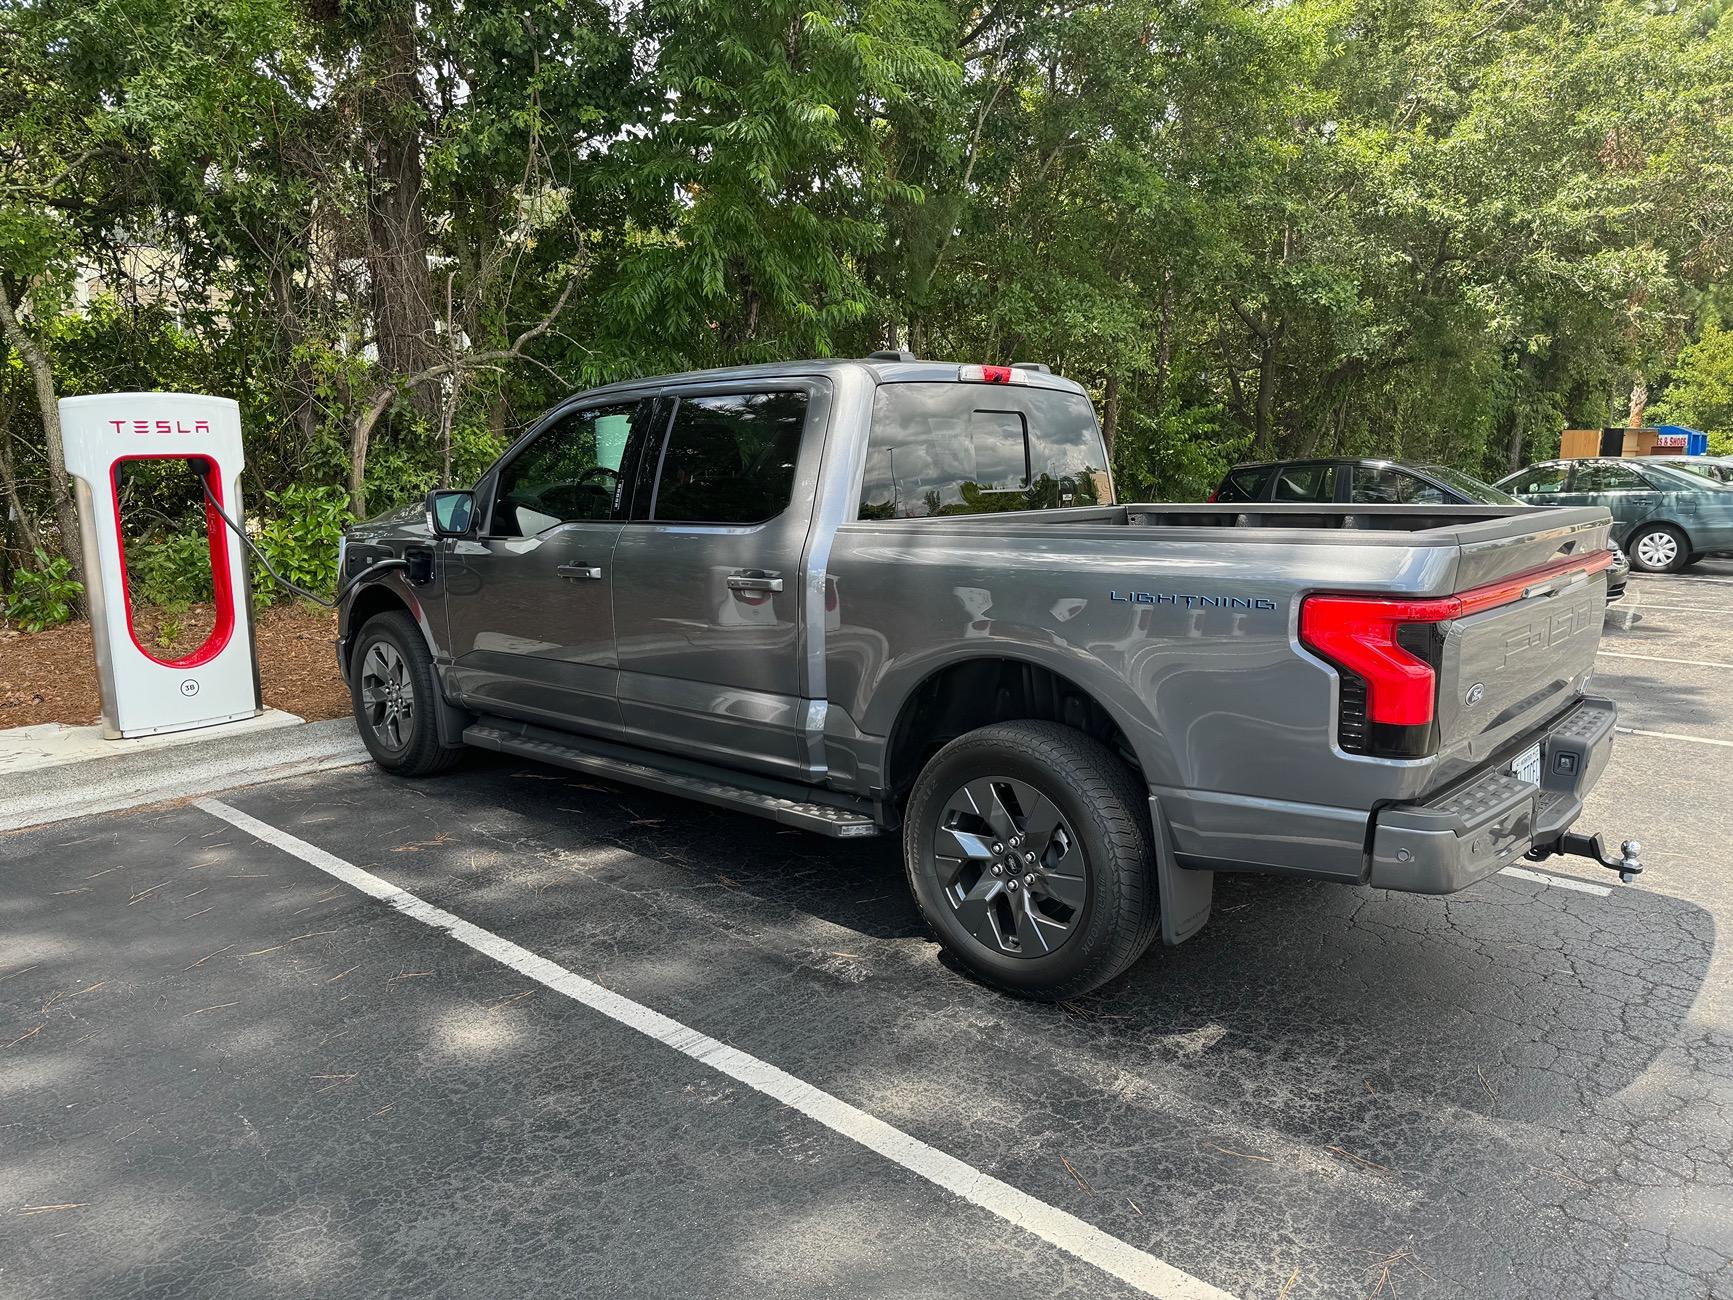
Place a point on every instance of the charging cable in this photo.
(343, 590)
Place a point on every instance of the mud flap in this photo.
(1185, 896)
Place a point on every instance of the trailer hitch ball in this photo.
(1632, 852)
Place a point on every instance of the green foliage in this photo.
(300, 539)
(169, 569)
(45, 596)
(1700, 393)
(1430, 230)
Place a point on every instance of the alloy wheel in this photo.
(387, 694)
(1010, 867)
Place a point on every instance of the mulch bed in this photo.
(51, 676)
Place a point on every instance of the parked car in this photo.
(1374, 482)
(1717, 468)
(1345, 479)
(1663, 517)
(900, 597)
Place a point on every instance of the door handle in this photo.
(754, 580)
(573, 571)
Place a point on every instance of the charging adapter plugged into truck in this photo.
(897, 596)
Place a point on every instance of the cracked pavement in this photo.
(222, 1073)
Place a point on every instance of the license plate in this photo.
(1527, 765)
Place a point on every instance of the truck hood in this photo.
(405, 522)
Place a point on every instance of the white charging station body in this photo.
(144, 694)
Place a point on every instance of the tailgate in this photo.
(1526, 641)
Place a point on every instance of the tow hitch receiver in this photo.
(1629, 864)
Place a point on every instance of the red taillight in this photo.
(1361, 636)
(989, 374)
(1212, 496)
(1358, 633)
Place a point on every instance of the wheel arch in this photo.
(975, 691)
(386, 597)
(382, 597)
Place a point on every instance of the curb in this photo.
(133, 780)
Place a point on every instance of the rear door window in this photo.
(1244, 484)
(1387, 485)
(962, 449)
(1305, 483)
(1600, 476)
(729, 458)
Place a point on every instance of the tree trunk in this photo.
(397, 266)
(1110, 414)
(59, 482)
(1164, 339)
(19, 523)
(1639, 403)
(1266, 395)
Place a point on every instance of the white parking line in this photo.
(1662, 659)
(1562, 882)
(1137, 1268)
(1673, 735)
(1690, 609)
(1666, 580)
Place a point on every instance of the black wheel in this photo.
(392, 688)
(1028, 849)
(1658, 548)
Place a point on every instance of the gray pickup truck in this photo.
(888, 595)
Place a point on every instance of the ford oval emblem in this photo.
(1476, 694)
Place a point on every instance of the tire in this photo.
(1666, 547)
(394, 693)
(1076, 807)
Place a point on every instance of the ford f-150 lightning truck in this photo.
(885, 595)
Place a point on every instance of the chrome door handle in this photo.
(579, 571)
(755, 580)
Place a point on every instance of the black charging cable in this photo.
(343, 590)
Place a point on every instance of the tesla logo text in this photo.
(1550, 630)
(1191, 601)
(161, 426)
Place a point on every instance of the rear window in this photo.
(966, 449)
(1245, 484)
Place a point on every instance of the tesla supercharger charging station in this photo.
(142, 694)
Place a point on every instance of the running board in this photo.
(839, 823)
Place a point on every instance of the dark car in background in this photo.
(1346, 480)
(1663, 517)
(1376, 482)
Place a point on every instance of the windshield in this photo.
(1470, 487)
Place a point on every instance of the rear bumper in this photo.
(1491, 818)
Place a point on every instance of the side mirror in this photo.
(451, 513)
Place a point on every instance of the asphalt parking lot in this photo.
(230, 1067)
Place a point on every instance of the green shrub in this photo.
(45, 596)
(300, 539)
(170, 569)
